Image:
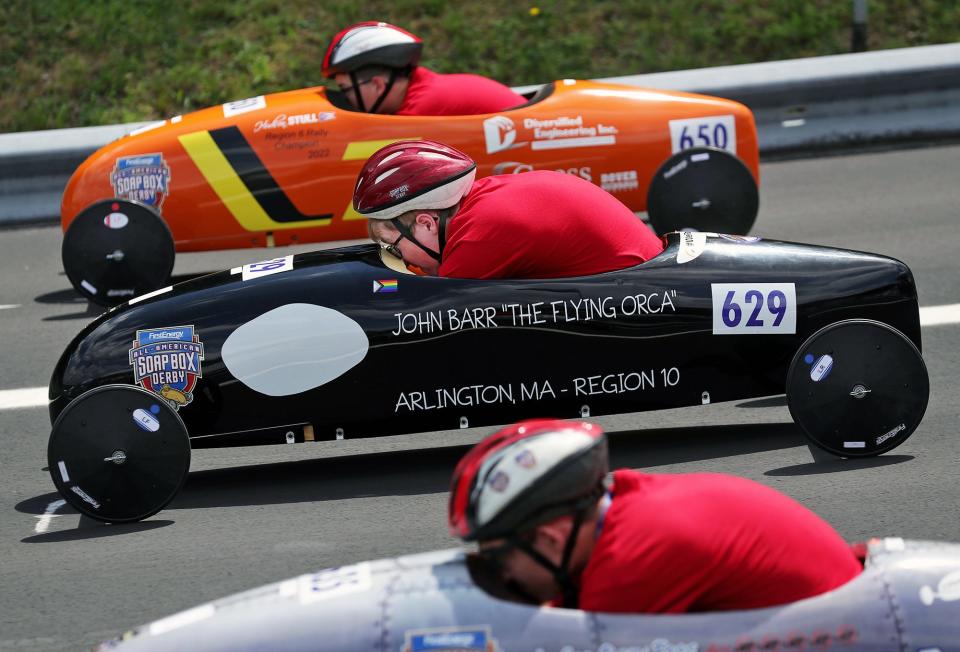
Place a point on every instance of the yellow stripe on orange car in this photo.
(364, 149)
(231, 190)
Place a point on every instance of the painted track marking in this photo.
(43, 522)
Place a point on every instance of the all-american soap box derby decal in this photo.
(166, 361)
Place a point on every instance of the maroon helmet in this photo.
(371, 43)
(526, 474)
(410, 175)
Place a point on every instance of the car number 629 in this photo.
(757, 308)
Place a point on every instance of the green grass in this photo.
(67, 63)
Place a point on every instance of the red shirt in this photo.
(431, 93)
(709, 542)
(543, 224)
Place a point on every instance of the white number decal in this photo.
(748, 308)
(715, 131)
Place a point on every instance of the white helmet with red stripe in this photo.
(371, 43)
(527, 474)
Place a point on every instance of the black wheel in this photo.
(857, 388)
(118, 453)
(703, 188)
(117, 249)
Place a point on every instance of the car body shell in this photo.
(338, 343)
(280, 169)
(905, 599)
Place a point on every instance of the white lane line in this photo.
(48, 515)
(8, 306)
(11, 399)
(939, 315)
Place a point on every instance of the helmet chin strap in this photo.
(441, 236)
(356, 91)
(561, 572)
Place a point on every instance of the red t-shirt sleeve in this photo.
(431, 93)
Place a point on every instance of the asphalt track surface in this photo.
(248, 516)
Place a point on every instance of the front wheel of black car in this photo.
(857, 388)
(118, 453)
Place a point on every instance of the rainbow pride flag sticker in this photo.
(388, 285)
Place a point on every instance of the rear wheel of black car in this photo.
(857, 388)
(705, 189)
(118, 453)
(117, 249)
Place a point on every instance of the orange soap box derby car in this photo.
(280, 169)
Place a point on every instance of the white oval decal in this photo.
(145, 420)
(294, 348)
(116, 220)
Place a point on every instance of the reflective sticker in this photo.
(692, 244)
(116, 221)
(702, 156)
(854, 444)
(88, 287)
(754, 308)
(145, 420)
(713, 131)
(182, 619)
(63, 471)
(294, 348)
(231, 109)
(894, 544)
(147, 127)
(150, 295)
(821, 368)
(266, 267)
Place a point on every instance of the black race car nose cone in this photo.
(857, 388)
(119, 453)
(117, 249)
(705, 189)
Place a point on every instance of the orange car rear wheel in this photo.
(117, 249)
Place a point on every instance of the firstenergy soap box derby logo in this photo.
(144, 178)
(451, 639)
(500, 133)
(166, 361)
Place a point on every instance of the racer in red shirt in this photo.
(375, 65)
(534, 496)
(424, 206)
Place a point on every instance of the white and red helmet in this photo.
(371, 43)
(412, 175)
(527, 474)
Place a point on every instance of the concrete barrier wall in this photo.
(802, 107)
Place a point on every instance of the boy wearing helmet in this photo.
(375, 65)
(533, 495)
(424, 204)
